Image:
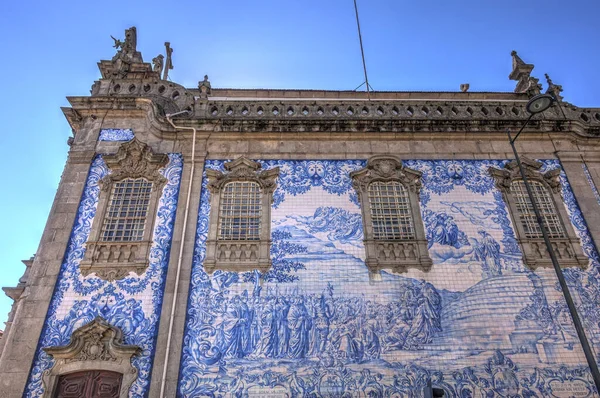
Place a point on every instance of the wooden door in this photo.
(89, 384)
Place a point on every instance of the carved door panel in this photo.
(90, 384)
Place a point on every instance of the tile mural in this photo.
(116, 135)
(133, 304)
(478, 324)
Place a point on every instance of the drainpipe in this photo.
(180, 258)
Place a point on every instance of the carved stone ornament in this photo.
(398, 255)
(535, 254)
(114, 260)
(522, 74)
(94, 346)
(386, 168)
(243, 169)
(240, 255)
(511, 172)
(135, 159)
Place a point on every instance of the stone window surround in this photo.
(95, 346)
(240, 255)
(398, 255)
(568, 250)
(116, 259)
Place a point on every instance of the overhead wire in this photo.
(362, 53)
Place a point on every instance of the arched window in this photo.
(544, 203)
(240, 211)
(546, 191)
(127, 210)
(239, 232)
(390, 211)
(393, 228)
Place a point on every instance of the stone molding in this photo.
(94, 346)
(240, 255)
(398, 255)
(567, 250)
(115, 260)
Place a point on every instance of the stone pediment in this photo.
(243, 169)
(94, 346)
(135, 159)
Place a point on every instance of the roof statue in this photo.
(127, 53)
(554, 89)
(522, 74)
(158, 63)
(204, 87)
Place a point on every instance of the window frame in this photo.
(240, 255)
(114, 260)
(568, 248)
(396, 254)
(111, 223)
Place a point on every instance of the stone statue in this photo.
(126, 51)
(204, 87)
(118, 43)
(554, 89)
(158, 63)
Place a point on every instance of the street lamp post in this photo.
(536, 105)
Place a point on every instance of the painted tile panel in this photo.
(133, 304)
(116, 135)
(478, 324)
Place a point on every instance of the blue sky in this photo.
(51, 48)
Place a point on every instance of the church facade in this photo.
(231, 242)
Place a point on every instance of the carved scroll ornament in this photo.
(135, 159)
(386, 168)
(243, 169)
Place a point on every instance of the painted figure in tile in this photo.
(233, 329)
(371, 332)
(320, 331)
(488, 251)
(281, 322)
(299, 324)
(426, 319)
(269, 343)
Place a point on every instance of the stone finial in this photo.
(464, 87)
(204, 87)
(554, 89)
(521, 72)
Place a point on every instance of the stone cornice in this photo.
(330, 115)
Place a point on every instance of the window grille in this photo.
(546, 206)
(240, 211)
(390, 211)
(126, 215)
